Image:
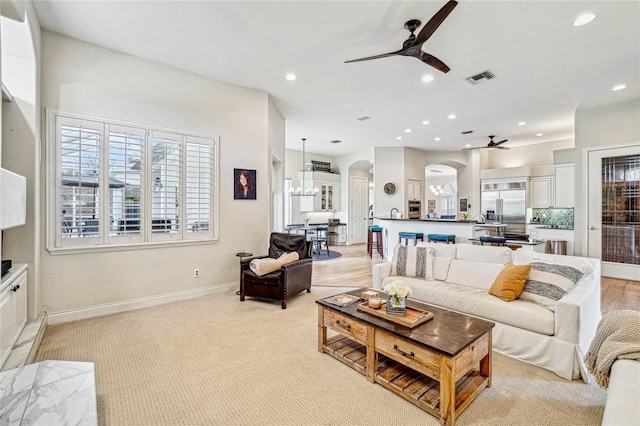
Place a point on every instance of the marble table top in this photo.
(49, 393)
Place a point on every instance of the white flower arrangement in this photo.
(398, 289)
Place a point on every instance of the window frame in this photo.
(105, 240)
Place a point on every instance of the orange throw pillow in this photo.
(510, 281)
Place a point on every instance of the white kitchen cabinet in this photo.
(328, 197)
(564, 185)
(414, 190)
(13, 308)
(340, 237)
(541, 191)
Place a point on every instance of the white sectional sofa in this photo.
(463, 274)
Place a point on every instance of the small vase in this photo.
(396, 305)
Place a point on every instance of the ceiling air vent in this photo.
(364, 118)
(335, 141)
(486, 75)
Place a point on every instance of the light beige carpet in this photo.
(215, 360)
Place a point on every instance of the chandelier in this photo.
(303, 191)
(435, 178)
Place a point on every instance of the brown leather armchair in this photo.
(280, 285)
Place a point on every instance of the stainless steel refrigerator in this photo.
(508, 201)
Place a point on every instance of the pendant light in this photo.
(303, 191)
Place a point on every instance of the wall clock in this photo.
(389, 188)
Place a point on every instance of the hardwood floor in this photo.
(353, 269)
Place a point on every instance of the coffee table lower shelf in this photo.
(414, 386)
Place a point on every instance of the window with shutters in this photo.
(117, 184)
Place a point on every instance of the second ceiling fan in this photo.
(413, 45)
(491, 144)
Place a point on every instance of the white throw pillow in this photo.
(267, 265)
(413, 261)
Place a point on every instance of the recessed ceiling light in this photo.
(398, 137)
(522, 123)
(427, 78)
(619, 87)
(539, 134)
(584, 19)
(290, 77)
(436, 139)
(468, 145)
(425, 122)
(451, 116)
(407, 130)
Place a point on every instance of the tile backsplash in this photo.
(560, 217)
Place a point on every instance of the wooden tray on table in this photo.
(412, 317)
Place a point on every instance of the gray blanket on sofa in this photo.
(617, 337)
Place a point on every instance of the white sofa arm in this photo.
(578, 313)
(380, 272)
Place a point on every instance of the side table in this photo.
(242, 255)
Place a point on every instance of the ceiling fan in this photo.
(491, 144)
(413, 45)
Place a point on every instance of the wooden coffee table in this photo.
(440, 365)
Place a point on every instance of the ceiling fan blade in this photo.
(434, 62)
(433, 24)
(368, 58)
(500, 147)
(501, 142)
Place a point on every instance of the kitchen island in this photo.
(464, 230)
(468, 232)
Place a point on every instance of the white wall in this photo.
(528, 155)
(80, 77)
(20, 142)
(613, 125)
(388, 166)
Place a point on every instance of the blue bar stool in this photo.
(441, 238)
(414, 236)
(374, 238)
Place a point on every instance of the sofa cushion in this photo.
(510, 281)
(441, 267)
(485, 254)
(548, 282)
(413, 261)
(473, 274)
(473, 301)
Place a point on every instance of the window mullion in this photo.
(147, 187)
(103, 188)
(182, 213)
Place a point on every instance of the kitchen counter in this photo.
(463, 230)
(427, 220)
(531, 244)
(549, 226)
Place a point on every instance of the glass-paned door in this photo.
(614, 211)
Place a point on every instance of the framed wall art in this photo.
(244, 181)
(464, 205)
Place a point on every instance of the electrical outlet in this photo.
(196, 273)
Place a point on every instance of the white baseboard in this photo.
(133, 304)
